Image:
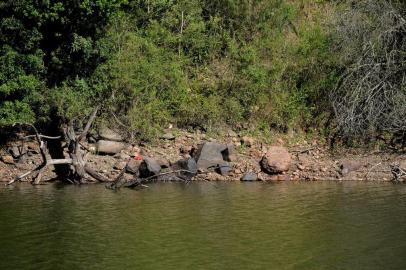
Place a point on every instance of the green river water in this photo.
(204, 226)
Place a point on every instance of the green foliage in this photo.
(195, 63)
(208, 63)
(43, 45)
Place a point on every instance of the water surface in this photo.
(204, 226)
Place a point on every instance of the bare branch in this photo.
(88, 124)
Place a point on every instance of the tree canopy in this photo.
(259, 64)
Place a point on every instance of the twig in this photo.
(370, 170)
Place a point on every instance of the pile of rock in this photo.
(110, 142)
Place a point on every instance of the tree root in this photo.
(77, 161)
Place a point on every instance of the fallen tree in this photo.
(79, 170)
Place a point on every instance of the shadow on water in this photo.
(204, 226)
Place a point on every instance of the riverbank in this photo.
(308, 161)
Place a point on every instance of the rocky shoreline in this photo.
(180, 155)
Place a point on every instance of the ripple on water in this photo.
(205, 226)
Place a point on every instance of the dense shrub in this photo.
(209, 63)
(371, 96)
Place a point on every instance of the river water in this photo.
(204, 226)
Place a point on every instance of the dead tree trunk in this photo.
(79, 169)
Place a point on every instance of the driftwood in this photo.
(140, 182)
(399, 174)
(79, 169)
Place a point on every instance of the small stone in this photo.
(249, 176)
(247, 141)
(301, 167)
(231, 133)
(122, 156)
(168, 136)
(120, 165)
(7, 159)
(185, 149)
(238, 171)
(211, 177)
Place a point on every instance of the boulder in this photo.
(110, 135)
(109, 147)
(210, 155)
(133, 166)
(224, 170)
(188, 165)
(276, 160)
(249, 176)
(149, 167)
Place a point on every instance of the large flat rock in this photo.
(212, 154)
(109, 147)
(110, 135)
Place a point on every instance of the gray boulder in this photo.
(211, 155)
(224, 169)
(249, 176)
(187, 165)
(110, 135)
(190, 167)
(109, 147)
(149, 167)
(133, 166)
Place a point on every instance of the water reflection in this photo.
(204, 226)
